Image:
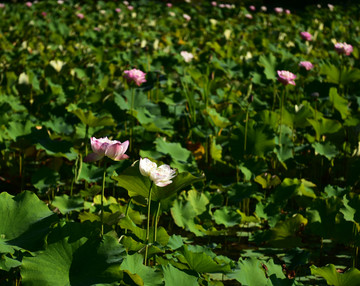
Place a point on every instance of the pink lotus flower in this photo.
(117, 10)
(287, 11)
(112, 149)
(161, 175)
(60, 2)
(186, 17)
(249, 16)
(286, 77)
(307, 65)
(43, 14)
(80, 15)
(169, 5)
(252, 8)
(214, 3)
(263, 8)
(306, 36)
(343, 48)
(130, 7)
(29, 4)
(136, 76)
(2, 5)
(126, 3)
(278, 10)
(187, 56)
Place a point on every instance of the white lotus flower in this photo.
(146, 167)
(187, 56)
(57, 65)
(23, 78)
(161, 176)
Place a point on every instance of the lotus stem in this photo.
(281, 113)
(132, 118)
(156, 221)
(102, 202)
(127, 211)
(148, 225)
(246, 128)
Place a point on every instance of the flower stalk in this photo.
(102, 202)
(148, 225)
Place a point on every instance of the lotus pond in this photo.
(183, 143)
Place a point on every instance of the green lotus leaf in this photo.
(174, 276)
(89, 119)
(227, 217)
(202, 262)
(325, 149)
(175, 150)
(67, 204)
(333, 277)
(139, 273)
(6, 263)
(25, 220)
(339, 103)
(75, 255)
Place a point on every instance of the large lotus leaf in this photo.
(216, 118)
(285, 148)
(339, 103)
(303, 112)
(227, 216)
(139, 273)
(45, 178)
(250, 273)
(215, 150)
(56, 148)
(183, 215)
(185, 212)
(325, 149)
(254, 272)
(161, 236)
(332, 277)
(25, 220)
(175, 242)
(174, 277)
(75, 255)
(59, 125)
(153, 123)
(202, 262)
(294, 187)
(18, 129)
(89, 119)
(138, 185)
(269, 64)
(91, 173)
(175, 150)
(324, 126)
(6, 263)
(324, 219)
(343, 76)
(67, 204)
(285, 234)
(350, 209)
(259, 141)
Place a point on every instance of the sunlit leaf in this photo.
(333, 277)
